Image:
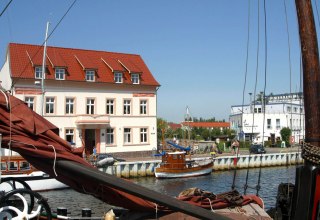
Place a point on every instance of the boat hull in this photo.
(181, 173)
(37, 180)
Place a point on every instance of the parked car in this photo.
(257, 149)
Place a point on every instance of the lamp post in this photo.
(250, 94)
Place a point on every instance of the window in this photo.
(110, 135)
(38, 72)
(269, 123)
(143, 135)
(277, 123)
(257, 110)
(126, 107)
(295, 109)
(89, 75)
(135, 78)
(30, 102)
(3, 166)
(118, 77)
(49, 105)
(24, 165)
(60, 73)
(110, 107)
(288, 109)
(70, 135)
(13, 165)
(90, 106)
(69, 105)
(127, 135)
(143, 107)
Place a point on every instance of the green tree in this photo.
(285, 135)
(162, 126)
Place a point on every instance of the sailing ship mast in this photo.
(306, 197)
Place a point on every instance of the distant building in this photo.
(96, 98)
(208, 125)
(279, 111)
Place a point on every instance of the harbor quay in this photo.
(146, 167)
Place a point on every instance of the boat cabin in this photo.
(15, 165)
(174, 160)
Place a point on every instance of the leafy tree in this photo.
(162, 126)
(285, 135)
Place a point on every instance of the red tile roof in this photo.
(174, 126)
(208, 124)
(75, 61)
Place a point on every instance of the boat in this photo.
(175, 164)
(17, 169)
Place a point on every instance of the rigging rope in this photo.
(244, 88)
(5, 8)
(263, 102)
(27, 64)
(254, 95)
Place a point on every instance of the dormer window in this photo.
(60, 73)
(118, 77)
(135, 78)
(90, 75)
(38, 72)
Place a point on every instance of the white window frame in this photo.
(69, 132)
(143, 135)
(90, 104)
(127, 107)
(110, 107)
(38, 72)
(29, 100)
(278, 125)
(143, 107)
(59, 73)
(118, 77)
(126, 135)
(135, 78)
(269, 123)
(90, 75)
(50, 105)
(69, 106)
(110, 136)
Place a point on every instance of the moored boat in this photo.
(175, 165)
(16, 167)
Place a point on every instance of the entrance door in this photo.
(90, 140)
(273, 139)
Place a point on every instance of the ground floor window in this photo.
(143, 135)
(127, 135)
(110, 136)
(70, 135)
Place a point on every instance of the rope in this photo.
(244, 89)
(258, 187)
(210, 204)
(55, 159)
(311, 153)
(27, 64)
(5, 8)
(254, 95)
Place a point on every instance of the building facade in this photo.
(263, 120)
(97, 99)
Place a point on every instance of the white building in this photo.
(258, 121)
(97, 99)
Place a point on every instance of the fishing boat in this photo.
(16, 167)
(175, 164)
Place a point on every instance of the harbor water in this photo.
(217, 182)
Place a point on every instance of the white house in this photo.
(96, 98)
(258, 121)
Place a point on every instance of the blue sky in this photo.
(195, 49)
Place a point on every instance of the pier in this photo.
(146, 168)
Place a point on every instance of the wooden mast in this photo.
(307, 187)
